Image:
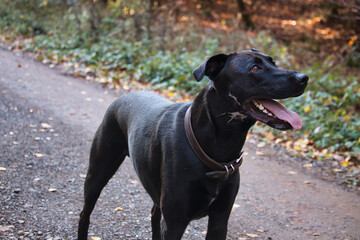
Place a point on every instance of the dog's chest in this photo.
(201, 200)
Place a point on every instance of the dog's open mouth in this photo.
(273, 114)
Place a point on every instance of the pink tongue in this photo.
(281, 112)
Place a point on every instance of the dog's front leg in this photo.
(175, 220)
(220, 209)
(172, 229)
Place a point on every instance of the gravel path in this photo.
(47, 121)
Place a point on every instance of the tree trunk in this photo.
(248, 24)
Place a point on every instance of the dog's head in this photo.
(253, 80)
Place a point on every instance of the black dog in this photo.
(186, 163)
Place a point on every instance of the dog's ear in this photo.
(211, 67)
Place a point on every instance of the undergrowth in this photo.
(329, 108)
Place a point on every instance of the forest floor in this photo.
(47, 121)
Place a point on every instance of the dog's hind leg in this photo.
(108, 151)
(155, 222)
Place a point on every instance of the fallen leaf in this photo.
(236, 205)
(307, 109)
(118, 209)
(297, 148)
(260, 153)
(95, 238)
(280, 200)
(308, 165)
(52, 190)
(17, 190)
(46, 125)
(345, 163)
(307, 182)
(6, 228)
(135, 182)
(338, 158)
(261, 144)
(292, 172)
(2, 169)
(269, 135)
(38, 155)
(252, 235)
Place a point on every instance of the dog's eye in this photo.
(255, 68)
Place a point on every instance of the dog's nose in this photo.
(301, 78)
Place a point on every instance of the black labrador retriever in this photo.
(186, 155)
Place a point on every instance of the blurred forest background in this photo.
(149, 44)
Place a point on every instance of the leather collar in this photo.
(221, 171)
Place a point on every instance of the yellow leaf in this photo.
(317, 19)
(297, 148)
(347, 118)
(95, 238)
(170, 94)
(118, 209)
(307, 109)
(329, 99)
(269, 135)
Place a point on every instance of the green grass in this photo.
(329, 108)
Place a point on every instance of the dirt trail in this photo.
(275, 201)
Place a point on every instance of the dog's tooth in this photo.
(259, 106)
(268, 113)
(262, 108)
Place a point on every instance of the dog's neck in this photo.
(220, 124)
